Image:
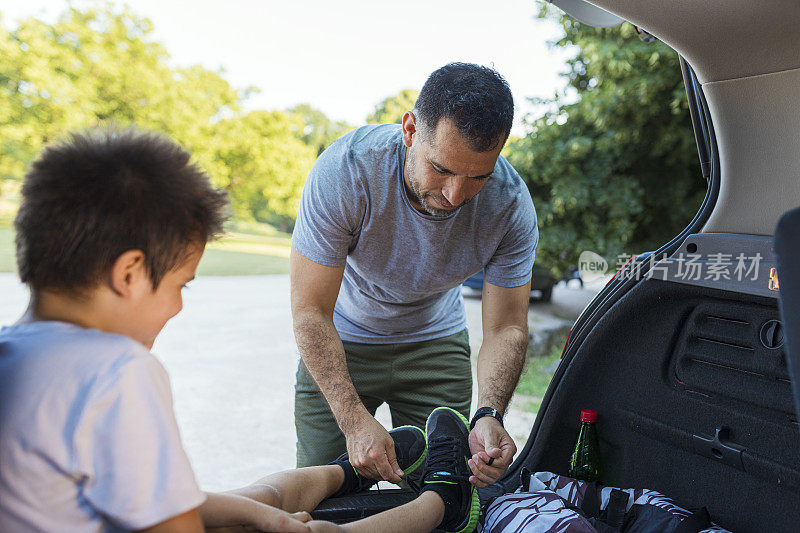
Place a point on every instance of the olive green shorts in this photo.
(413, 378)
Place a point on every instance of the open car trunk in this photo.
(693, 394)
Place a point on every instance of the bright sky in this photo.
(344, 57)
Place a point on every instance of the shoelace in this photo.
(445, 455)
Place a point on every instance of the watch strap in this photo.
(485, 411)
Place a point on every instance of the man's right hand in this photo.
(371, 450)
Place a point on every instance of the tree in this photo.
(392, 108)
(314, 128)
(263, 164)
(612, 166)
(101, 65)
(93, 67)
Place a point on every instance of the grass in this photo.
(227, 263)
(249, 249)
(535, 379)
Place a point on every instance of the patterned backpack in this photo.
(547, 502)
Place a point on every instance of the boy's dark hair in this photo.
(476, 98)
(97, 194)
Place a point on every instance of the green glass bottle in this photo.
(585, 461)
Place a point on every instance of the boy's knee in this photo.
(266, 494)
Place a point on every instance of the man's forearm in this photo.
(323, 353)
(500, 363)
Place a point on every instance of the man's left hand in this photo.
(489, 442)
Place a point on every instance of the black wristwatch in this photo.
(485, 411)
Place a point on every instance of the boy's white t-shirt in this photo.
(88, 436)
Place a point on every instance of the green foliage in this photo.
(392, 108)
(8, 257)
(263, 163)
(101, 65)
(612, 165)
(91, 67)
(314, 128)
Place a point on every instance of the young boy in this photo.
(111, 227)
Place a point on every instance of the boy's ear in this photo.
(128, 272)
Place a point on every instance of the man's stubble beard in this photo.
(421, 198)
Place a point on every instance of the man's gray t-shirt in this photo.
(403, 268)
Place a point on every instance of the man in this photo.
(392, 220)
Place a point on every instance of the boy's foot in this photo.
(410, 448)
(447, 471)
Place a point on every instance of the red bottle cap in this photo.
(589, 416)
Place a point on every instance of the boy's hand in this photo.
(370, 449)
(490, 443)
(268, 518)
(231, 512)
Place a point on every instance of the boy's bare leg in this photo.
(304, 488)
(418, 516)
(295, 490)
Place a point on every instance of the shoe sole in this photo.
(475, 504)
(421, 459)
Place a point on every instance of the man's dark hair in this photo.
(97, 194)
(477, 99)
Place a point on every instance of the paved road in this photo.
(232, 357)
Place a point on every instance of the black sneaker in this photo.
(410, 447)
(447, 471)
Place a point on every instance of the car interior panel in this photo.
(787, 237)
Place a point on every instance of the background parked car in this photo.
(541, 284)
